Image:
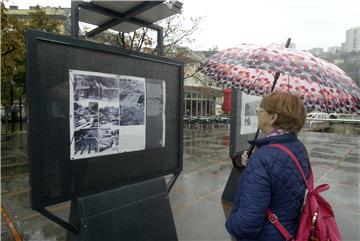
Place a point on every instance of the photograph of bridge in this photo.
(86, 142)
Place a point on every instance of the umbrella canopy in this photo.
(251, 68)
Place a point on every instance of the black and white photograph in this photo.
(94, 103)
(109, 115)
(155, 113)
(94, 86)
(132, 101)
(108, 140)
(249, 119)
(85, 115)
(86, 142)
(250, 108)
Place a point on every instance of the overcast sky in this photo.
(227, 23)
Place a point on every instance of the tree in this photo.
(13, 51)
(41, 21)
(177, 32)
(349, 62)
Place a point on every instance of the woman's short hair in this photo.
(289, 108)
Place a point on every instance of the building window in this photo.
(193, 108)
(198, 104)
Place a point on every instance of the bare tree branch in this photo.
(132, 40)
(142, 38)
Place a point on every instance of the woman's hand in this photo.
(244, 158)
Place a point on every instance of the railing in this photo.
(203, 122)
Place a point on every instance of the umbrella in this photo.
(251, 68)
(258, 70)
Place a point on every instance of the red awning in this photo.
(226, 107)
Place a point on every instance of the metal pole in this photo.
(160, 46)
(75, 19)
(12, 108)
(20, 109)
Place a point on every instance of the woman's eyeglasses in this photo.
(258, 109)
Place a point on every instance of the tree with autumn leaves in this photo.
(13, 49)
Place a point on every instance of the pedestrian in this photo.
(271, 179)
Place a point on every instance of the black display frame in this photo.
(34, 40)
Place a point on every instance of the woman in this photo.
(271, 179)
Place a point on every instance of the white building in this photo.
(317, 51)
(334, 49)
(202, 96)
(57, 14)
(352, 42)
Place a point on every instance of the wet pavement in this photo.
(196, 196)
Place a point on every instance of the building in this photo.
(62, 16)
(334, 49)
(55, 13)
(352, 42)
(317, 51)
(202, 96)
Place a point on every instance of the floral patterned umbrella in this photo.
(251, 68)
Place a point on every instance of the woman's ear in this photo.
(273, 118)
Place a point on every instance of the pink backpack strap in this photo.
(310, 181)
(309, 184)
(275, 221)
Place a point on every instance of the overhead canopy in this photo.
(126, 16)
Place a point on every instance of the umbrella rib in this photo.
(256, 79)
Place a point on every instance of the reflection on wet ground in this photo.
(196, 196)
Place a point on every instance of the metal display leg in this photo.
(138, 211)
(228, 195)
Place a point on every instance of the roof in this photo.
(126, 16)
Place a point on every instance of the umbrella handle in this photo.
(236, 160)
(252, 147)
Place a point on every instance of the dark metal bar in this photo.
(233, 125)
(116, 15)
(12, 108)
(160, 46)
(127, 15)
(171, 182)
(68, 226)
(20, 109)
(75, 19)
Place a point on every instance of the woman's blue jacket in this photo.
(270, 180)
